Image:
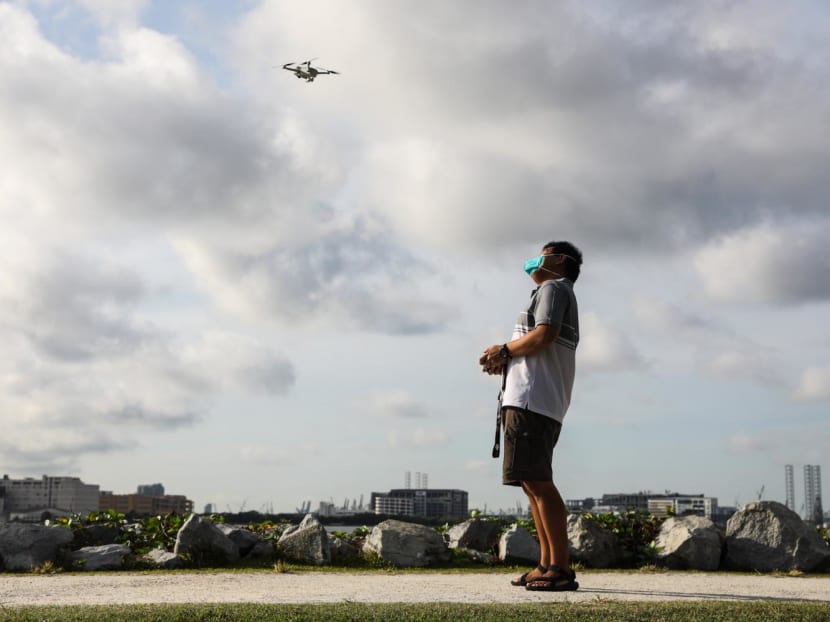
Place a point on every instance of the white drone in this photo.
(306, 72)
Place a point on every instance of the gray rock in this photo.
(766, 536)
(96, 535)
(24, 547)
(342, 551)
(406, 544)
(689, 543)
(308, 543)
(201, 540)
(162, 559)
(104, 557)
(592, 544)
(475, 534)
(261, 551)
(477, 556)
(517, 545)
(244, 539)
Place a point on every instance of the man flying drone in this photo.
(306, 71)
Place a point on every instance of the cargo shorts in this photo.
(529, 439)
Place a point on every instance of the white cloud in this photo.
(603, 347)
(416, 438)
(814, 384)
(768, 263)
(395, 404)
(752, 363)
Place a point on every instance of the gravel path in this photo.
(322, 587)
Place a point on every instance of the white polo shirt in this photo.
(542, 382)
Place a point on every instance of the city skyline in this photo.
(259, 290)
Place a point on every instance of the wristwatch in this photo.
(504, 352)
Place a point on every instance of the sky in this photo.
(260, 291)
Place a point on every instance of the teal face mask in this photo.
(532, 265)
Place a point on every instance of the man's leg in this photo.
(546, 554)
(551, 519)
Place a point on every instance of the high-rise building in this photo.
(813, 510)
(789, 487)
(153, 490)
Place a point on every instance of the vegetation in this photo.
(636, 531)
(698, 611)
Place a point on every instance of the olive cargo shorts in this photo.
(529, 439)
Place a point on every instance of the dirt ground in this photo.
(322, 587)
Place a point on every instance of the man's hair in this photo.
(573, 257)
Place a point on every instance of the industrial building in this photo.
(21, 497)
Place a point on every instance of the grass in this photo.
(437, 612)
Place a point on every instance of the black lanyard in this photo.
(497, 444)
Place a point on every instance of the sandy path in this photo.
(321, 587)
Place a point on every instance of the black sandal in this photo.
(560, 581)
(522, 581)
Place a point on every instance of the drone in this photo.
(306, 72)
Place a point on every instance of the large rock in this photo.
(766, 536)
(308, 542)
(160, 558)
(591, 544)
(342, 551)
(518, 546)
(244, 539)
(24, 547)
(475, 534)
(105, 557)
(406, 544)
(689, 543)
(204, 543)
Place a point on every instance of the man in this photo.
(540, 372)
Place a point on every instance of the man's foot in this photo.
(556, 579)
(530, 575)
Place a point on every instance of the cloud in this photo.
(416, 438)
(655, 131)
(604, 348)
(768, 263)
(741, 362)
(395, 404)
(814, 384)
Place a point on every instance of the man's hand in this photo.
(492, 361)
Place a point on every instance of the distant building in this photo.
(813, 511)
(30, 495)
(789, 486)
(152, 490)
(623, 502)
(431, 503)
(682, 505)
(145, 505)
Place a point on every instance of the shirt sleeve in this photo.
(551, 304)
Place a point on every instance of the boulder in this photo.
(261, 551)
(342, 551)
(406, 544)
(105, 557)
(162, 559)
(307, 543)
(477, 556)
(689, 543)
(95, 535)
(766, 536)
(244, 539)
(516, 545)
(24, 547)
(591, 544)
(475, 534)
(202, 541)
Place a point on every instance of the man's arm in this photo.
(531, 343)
